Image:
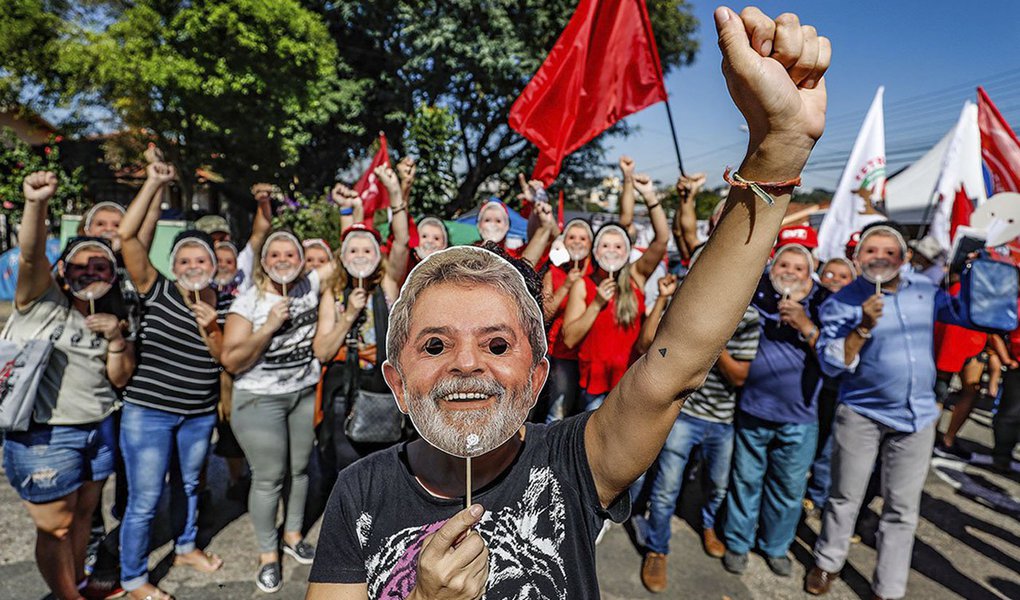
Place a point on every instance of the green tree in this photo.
(310, 217)
(17, 160)
(473, 58)
(233, 85)
(432, 137)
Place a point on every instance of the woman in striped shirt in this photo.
(170, 403)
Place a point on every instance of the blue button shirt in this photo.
(892, 380)
(783, 380)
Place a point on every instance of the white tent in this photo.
(909, 192)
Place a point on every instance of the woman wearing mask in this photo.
(170, 403)
(317, 253)
(604, 310)
(556, 284)
(354, 313)
(268, 348)
(70, 438)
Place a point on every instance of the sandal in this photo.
(157, 594)
(210, 564)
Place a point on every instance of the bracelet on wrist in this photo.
(656, 205)
(118, 351)
(863, 332)
(347, 211)
(762, 189)
(397, 210)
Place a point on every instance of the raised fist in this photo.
(627, 166)
(343, 196)
(774, 71)
(261, 192)
(152, 154)
(160, 172)
(388, 178)
(40, 186)
(643, 184)
(688, 186)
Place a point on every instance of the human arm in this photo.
(453, 564)
(263, 217)
(999, 348)
(845, 329)
(397, 265)
(332, 331)
(243, 344)
(581, 314)
(147, 232)
(33, 267)
(627, 195)
(120, 354)
(685, 221)
(652, 256)
(792, 313)
(774, 74)
(132, 248)
(543, 236)
(667, 287)
(406, 169)
(208, 325)
(351, 209)
(552, 299)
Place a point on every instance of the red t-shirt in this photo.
(607, 351)
(557, 349)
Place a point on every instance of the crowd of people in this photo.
(795, 387)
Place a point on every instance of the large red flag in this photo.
(604, 66)
(373, 195)
(1000, 147)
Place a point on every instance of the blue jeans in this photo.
(716, 440)
(821, 476)
(153, 442)
(592, 401)
(563, 389)
(772, 458)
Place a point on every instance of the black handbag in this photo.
(374, 416)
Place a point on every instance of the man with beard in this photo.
(776, 424)
(881, 346)
(466, 343)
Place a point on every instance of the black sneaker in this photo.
(734, 563)
(780, 565)
(270, 578)
(303, 552)
(954, 452)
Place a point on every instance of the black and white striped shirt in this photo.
(175, 371)
(716, 400)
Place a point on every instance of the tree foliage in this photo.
(292, 91)
(18, 160)
(310, 217)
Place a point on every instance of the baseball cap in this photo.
(803, 235)
(212, 224)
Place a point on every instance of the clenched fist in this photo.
(40, 186)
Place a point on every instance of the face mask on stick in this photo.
(283, 272)
(93, 279)
(469, 416)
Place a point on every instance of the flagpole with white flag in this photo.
(961, 166)
(861, 185)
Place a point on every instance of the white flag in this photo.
(861, 186)
(961, 166)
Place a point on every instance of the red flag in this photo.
(962, 209)
(373, 194)
(1000, 147)
(604, 66)
(559, 212)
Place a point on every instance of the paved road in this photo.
(968, 546)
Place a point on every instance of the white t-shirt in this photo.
(288, 363)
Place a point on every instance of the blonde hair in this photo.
(626, 300)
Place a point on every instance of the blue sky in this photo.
(929, 56)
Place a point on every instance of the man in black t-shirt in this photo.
(394, 527)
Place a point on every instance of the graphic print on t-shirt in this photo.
(291, 347)
(525, 547)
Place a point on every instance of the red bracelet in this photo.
(760, 188)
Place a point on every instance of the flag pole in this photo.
(676, 142)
